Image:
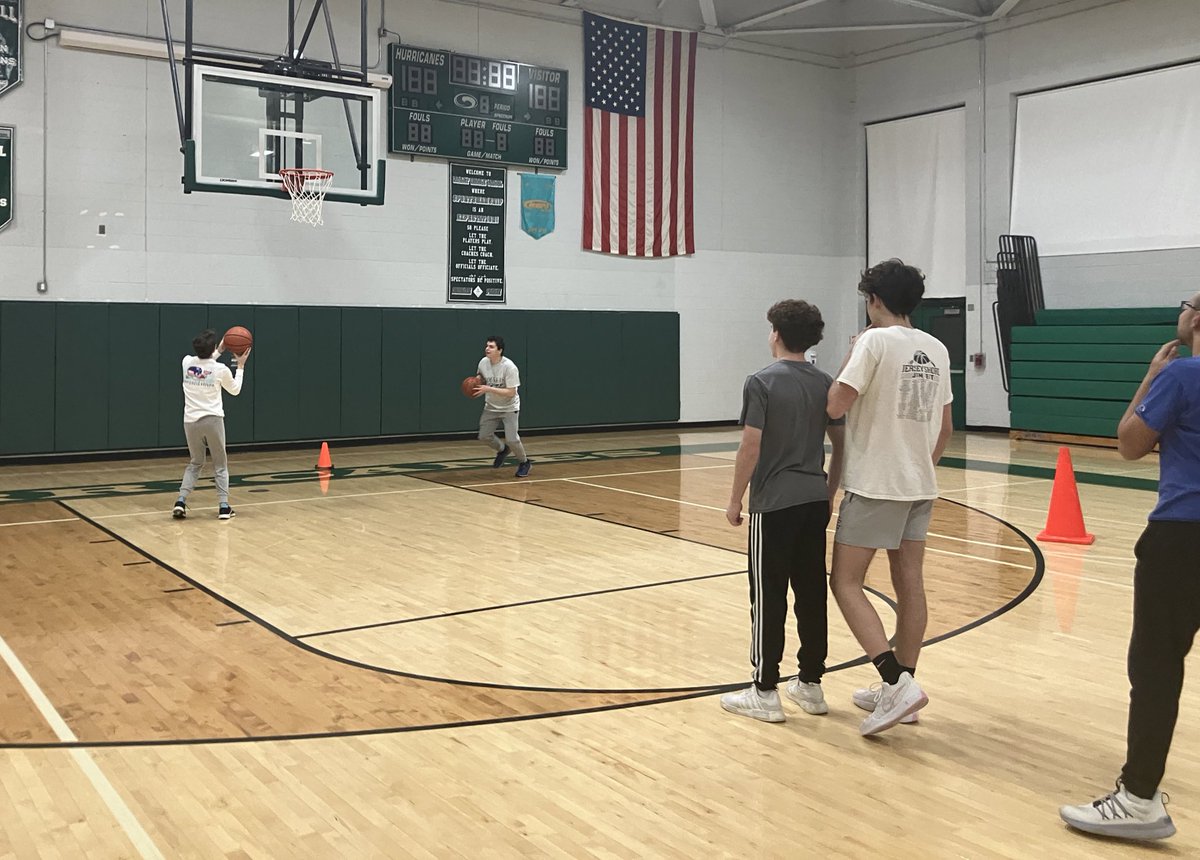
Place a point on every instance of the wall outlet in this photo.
(42, 286)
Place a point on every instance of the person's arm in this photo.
(743, 469)
(502, 392)
(233, 382)
(841, 398)
(1135, 438)
(837, 440)
(943, 434)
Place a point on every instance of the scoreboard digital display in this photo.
(447, 105)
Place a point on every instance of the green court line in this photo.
(264, 479)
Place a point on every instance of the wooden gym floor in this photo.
(425, 657)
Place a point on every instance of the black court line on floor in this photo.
(668, 694)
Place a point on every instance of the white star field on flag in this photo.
(616, 67)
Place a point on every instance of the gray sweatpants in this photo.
(207, 431)
(490, 422)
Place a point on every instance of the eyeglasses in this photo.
(1186, 304)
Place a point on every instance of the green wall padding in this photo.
(133, 383)
(1109, 353)
(84, 357)
(1093, 334)
(1077, 370)
(361, 372)
(1064, 424)
(318, 373)
(27, 373)
(1070, 407)
(1108, 316)
(400, 372)
(319, 402)
(1119, 391)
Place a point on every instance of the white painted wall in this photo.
(773, 162)
(1052, 46)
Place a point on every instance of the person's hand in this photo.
(733, 513)
(241, 359)
(220, 348)
(481, 390)
(1167, 353)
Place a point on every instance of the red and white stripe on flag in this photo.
(637, 184)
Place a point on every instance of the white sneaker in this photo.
(752, 702)
(868, 697)
(896, 701)
(1122, 815)
(809, 697)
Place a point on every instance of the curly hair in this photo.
(799, 324)
(899, 287)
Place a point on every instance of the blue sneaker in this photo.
(499, 461)
(523, 469)
(225, 512)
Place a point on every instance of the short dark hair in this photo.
(205, 343)
(496, 339)
(898, 286)
(799, 324)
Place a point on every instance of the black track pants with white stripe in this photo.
(788, 546)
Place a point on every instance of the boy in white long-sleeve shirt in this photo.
(204, 416)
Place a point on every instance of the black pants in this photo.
(1166, 615)
(788, 545)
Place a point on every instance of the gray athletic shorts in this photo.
(881, 523)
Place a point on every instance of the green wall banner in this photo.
(11, 32)
(477, 207)
(7, 198)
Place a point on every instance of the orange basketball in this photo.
(238, 340)
(469, 385)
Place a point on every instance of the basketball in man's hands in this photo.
(238, 340)
(470, 384)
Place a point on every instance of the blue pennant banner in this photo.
(537, 204)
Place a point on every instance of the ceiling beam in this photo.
(942, 10)
(1005, 8)
(794, 7)
(851, 28)
(708, 11)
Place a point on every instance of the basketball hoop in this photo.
(307, 187)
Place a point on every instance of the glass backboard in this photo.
(247, 126)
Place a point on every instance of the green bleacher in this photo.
(1075, 371)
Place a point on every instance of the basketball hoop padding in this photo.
(307, 186)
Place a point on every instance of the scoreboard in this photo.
(447, 105)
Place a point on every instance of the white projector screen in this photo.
(1110, 166)
(916, 197)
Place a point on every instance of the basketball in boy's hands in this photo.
(238, 340)
(469, 385)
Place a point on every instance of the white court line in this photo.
(593, 477)
(635, 493)
(112, 799)
(38, 522)
(158, 513)
(994, 486)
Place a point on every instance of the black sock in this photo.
(888, 666)
(912, 670)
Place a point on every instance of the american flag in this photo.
(637, 139)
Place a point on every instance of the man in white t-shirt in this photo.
(204, 378)
(894, 389)
(501, 405)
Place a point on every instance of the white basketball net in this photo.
(307, 187)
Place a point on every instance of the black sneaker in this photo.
(499, 461)
(523, 469)
(225, 512)
(180, 510)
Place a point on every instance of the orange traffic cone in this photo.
(323, 461)
(323, 476)
(1064, 520)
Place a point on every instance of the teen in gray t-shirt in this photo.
(781, 458)
(791, 459)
